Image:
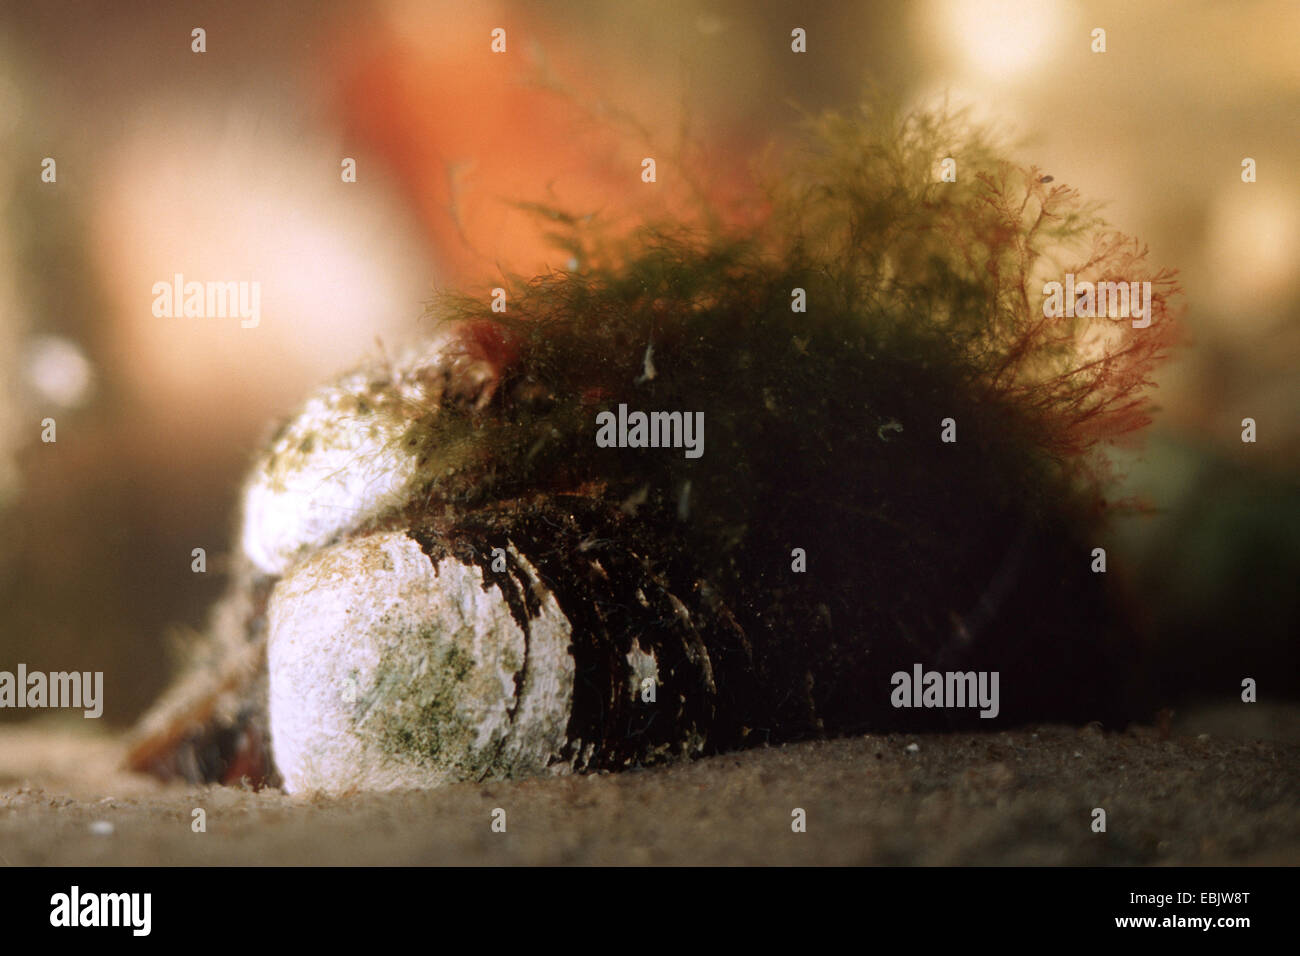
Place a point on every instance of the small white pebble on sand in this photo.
(913, 748)
(101, 828)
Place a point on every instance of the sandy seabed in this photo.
(1219, 787)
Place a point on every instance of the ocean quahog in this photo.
(388, 669)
